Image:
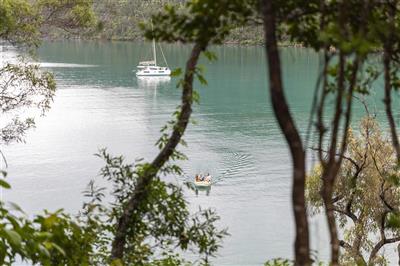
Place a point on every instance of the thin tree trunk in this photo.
(332, 165)
(141, 191)
(331, 169)
(398, 253)
(388, 103)
(286, 123)
(387, 53)
(327, 191)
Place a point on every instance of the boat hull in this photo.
(152, 75)
(202, 184)
(147, 73)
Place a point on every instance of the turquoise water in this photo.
(100, 103)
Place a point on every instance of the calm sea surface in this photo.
(100, 103)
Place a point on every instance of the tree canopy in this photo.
(345, 33)
(25, 22)
(366, 195)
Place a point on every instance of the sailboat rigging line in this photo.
(150, 68)
(162, 53)
(154, 44)
(154, 52)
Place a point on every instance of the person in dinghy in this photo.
(202, 180)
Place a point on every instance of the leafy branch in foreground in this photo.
(22, 24)
(52, 238)
(346, 33)
(22, 87)
(163, 226)
(172, 26)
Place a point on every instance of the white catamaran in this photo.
(150, 68)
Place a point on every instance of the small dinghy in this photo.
(202, 182)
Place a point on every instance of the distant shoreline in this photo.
(228, 42)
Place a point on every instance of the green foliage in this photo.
(68, 241)
(23, 86)
(161, 229)
(51, 238)
(47, 239)
(176, 72)
(72, 17)
(199, 74)
(120, 20)
(4, 184)
(211, 56)
(187, 24)
(278, 262)
(19, 22)
(351, 26)
(24, 22)
(393, 220)
(366, 194)
(365, 79)
(163, 140)
(170, 260)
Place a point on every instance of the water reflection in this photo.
(152, 82)
(198, 189)
(201, 189)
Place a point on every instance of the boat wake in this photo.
(62, 65)
(235, 164)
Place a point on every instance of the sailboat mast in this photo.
(154, 52)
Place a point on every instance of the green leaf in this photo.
(16, 207)
(13, 237)
(393, 220)
(59, 249)
(44, 251)
(43, 235)
(176, 72)
(4, 184)
(200, 69)
(210, 55)
(196, 97)
(394, 179)
(202, 80)
(50, 221)
(116, 262)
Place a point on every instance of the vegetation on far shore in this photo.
(120, 20)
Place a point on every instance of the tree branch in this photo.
(140, 193)
(387, 53)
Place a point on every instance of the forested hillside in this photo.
(119, 20)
